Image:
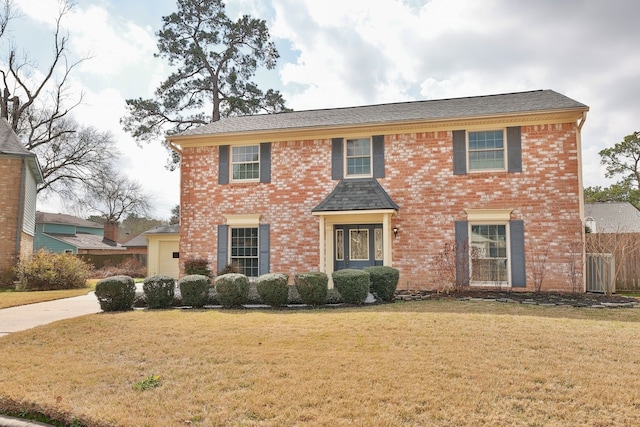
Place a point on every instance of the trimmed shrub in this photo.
(194, 290)
(352, 284)
(7, 276)
(197, 266)
(312, 287)
(116, 293)
(232, 289)
(384, 281)
(334, 297)
(273, 289)
(159, 291)
(44, 271)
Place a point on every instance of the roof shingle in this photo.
(489, 105)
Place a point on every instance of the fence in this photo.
(625, 248)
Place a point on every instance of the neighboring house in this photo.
(137, 245)
(163, 251)
(391, 184)
(67, 233)
(20, 176)
(612, 217)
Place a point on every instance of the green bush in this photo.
(116, 293)
(232, 289)
(159, 291)
(7, 276)
(384, 281)
(312, 287)
(273, 289)
(197, 266)
(44, 271)
(194, 290)
(352, 284)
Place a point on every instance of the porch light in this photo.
(395, 231)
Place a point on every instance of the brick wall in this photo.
(10, 169)
(419, 178)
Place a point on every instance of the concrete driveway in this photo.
(24, 317)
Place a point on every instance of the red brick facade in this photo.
(10, 172)
(545, 195)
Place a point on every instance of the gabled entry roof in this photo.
(356, 195)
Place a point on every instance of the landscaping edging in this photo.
(585, 300)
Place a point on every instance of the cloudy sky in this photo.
(337, 53)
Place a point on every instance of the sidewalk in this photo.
(23, 317)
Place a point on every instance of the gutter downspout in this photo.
(21, 207)
(581, 197)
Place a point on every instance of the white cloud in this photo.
(341, 53)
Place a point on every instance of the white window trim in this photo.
(230, 247)
(504, 142)
(508, 248)
(345, 166)
(231, 163)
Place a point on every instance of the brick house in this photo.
(20, 176)
(391, 184)
(59, 233)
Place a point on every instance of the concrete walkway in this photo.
(24, 317)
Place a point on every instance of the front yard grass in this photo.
(434, 363)
(11, 298)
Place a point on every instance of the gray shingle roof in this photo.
(137, 242)
(164, 229)
(614, 217)
(53, 218)
(11, 145)
(86, 241)
(490, 105)
(355, 195)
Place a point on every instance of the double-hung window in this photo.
(245, 163)
(358, 157)
(486, 150)
(489, 253)
(245, 250)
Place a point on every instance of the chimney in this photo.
(110, 233)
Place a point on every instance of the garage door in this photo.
(167, 259)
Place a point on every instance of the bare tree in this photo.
(539, 266)
(114, 196)
(72, 157)
(39, 110)
(575, 266)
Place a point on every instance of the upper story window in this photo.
(245, 163)
(487, 150)
(358, 157)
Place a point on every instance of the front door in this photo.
(357, 246)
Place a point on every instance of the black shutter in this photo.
(462, 253)
(518, 271)
(223, 246)
(514, 149)
(263, 238)
(265, 162)
(378, 156)
(459, 152)
(223, 164)
(336, 158)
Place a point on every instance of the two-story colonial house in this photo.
(392, 184)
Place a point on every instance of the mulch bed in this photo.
(542, 298)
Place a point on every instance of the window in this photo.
(244, 250)
(358, 157)
(486, 150)
(245, 163)
(488, 249)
